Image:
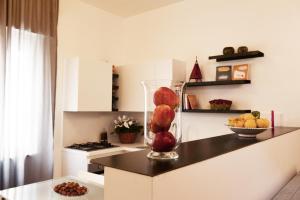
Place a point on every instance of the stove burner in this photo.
(91, 146)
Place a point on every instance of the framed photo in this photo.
(223, 73)
(240, 72)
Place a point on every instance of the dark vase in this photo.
(228, 51)
(127, 138)
(243, 49)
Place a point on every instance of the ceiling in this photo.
(127, 8)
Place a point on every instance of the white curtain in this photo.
(26, 135)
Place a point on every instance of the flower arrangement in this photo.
(126, 124)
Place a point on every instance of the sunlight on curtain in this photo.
(26, 130)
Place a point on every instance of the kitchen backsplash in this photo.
(80, 127)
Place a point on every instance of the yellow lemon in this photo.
(250, 123)
(262, 123)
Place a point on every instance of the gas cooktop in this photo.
(92, 146)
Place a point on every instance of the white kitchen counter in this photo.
(44, 191)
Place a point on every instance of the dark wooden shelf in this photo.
(212, 83)
(237, 56)
(216, 111)
(115, 87)
(115, 98)
(115, 75)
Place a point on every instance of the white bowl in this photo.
(64, 197)
(248, 132)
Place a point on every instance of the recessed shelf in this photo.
(115, 87)
(115, 98)
(212, 83)
(237, 56)
(216, 111)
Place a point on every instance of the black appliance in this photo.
(92, 146)
(95, 168)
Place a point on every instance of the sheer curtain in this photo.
(27, 81)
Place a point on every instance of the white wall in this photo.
(185, 30)
(81, 127)
(202, 28)
(84, 31)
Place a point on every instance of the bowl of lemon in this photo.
(249, 124)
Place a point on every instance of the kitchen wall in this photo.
(185, 30)
(202, 28)
(88, 32)
(87, 126)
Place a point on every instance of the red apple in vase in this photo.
(166, 96)
(162, 117)
(163, 142)
(155, 128)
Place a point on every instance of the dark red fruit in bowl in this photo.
(163, 142)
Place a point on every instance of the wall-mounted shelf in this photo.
(237, 56)
(115, 87)
(115, 76)
(216, 111)
(212, 83)
(115, 98)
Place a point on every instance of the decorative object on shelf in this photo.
(242, 49)
(162, 128)
(228, 51)
(196, 73)
(249, 124)
(220, 104)
(223, 73)
(240, 72)
(237, 56)
(127, 128)
(193, 102)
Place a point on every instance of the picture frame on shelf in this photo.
(223, 73)
(240, 72)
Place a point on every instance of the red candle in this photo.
(272, 118)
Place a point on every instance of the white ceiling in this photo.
(126, 8)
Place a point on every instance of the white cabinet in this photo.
(87, 85)
(131, 94)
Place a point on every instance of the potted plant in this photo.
(127, 128)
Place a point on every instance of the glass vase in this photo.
(162, 118)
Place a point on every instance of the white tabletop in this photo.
(44, 191)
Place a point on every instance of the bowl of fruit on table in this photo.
(249, 124)
(70, 191)
(162, 128)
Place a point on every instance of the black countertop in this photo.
(189, 153)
